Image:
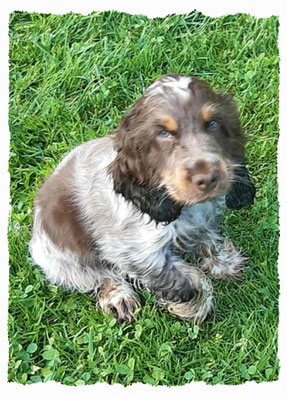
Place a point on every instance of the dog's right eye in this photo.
(165, 134)
(212, 125)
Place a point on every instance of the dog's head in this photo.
(180, 142)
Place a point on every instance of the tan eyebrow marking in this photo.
(208, 111)
(169, 123)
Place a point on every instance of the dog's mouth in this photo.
(187, 190)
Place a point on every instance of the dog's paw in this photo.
(196, 290)
(120, 300)
(174, 285)
(224, 263)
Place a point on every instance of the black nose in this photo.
(205, 181)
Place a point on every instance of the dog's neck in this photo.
(153, 201)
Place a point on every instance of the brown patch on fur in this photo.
(60, 216)
(107, 288)
(207, 112)
(169, 123)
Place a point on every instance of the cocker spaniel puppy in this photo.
(120, 212)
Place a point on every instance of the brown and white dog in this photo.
(120, 211)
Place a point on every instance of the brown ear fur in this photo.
(132, 172)
(132, 144)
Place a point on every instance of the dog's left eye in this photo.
(213, 124)
(165, 134)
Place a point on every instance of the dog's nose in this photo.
(205, 181)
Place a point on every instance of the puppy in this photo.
(122, 211)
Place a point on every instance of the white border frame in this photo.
(160, 8)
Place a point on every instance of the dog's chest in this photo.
(196, 224)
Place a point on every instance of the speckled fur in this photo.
(88, 237)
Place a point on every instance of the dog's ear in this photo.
(242, 191)
(127, 167)
(132, 175)
(131, 147)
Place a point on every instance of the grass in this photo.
(72, 77)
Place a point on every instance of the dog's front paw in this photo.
(190, 298)
(224, 262)
(173, 285)
(120, 300)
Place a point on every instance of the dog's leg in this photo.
(88, 274)
(201, 236)
(119, 299)
(222, 260)
(183, 289)
(65, 268)
(169, 293)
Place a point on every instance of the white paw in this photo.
(223, 263)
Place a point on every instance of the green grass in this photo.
(72, 77)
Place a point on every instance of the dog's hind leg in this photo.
(85, 274)
(65, 268)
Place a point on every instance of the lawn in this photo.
(72, 77)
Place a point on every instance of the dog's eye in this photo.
(212, 125)
(165, 134)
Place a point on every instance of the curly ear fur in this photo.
(153, 201)
(132, 148)
(133, 175)
(242, 191)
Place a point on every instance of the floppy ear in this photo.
(242, 191)
(132, 175)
